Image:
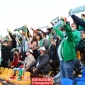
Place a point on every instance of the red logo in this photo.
(42, 81)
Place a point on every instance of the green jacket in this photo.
(81, 28)
(67, 49)
(77, 36)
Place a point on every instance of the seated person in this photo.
(41, 65)
(77, 68)
(29, 59)
(16, 59)
(81, 45)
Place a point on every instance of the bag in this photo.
(20, 74)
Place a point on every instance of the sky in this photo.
(33, 13)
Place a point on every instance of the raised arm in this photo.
(10, 33)
(69, 32)
(58, 32)
(78, 21)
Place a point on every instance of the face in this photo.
(38, 38)
(5, 43)
(82, 17)
(53, 43)
(82, 35)
(9, 43)
(34, 34)
(23, 32)
(16, 53)
(73, 26)
(41, 51)
(42, 35)
(27, 53)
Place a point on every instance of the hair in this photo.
(27, 32)
(49, 29)
(83, 32)
(83, 15)
(16, 50)
(75, 24)
(44, 34)
(34, 39)
(39, 35)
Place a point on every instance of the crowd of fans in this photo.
(41, 52)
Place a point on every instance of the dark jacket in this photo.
(43, 63)
(6, 52)
(13, 41)
(81, 45)
(78, 21)
(53, 53)
(78, 66)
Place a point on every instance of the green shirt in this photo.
(67, 50)
(77, 36)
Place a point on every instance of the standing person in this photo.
(83, 18)
(13, 37)
(76, 34)
(25, 41)
(66, 52)
(6, 53)
(0, 52)
(78, 21)
(45, 42)
(34, 46)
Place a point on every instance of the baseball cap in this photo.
(29, 50)
(42, 48)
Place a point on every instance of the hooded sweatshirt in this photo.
(66, 49)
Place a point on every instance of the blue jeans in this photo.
(66, 69)
(57, 78)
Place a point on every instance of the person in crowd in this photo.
(76, 71)
(78, 21)
(29, 59)
(16, 59)
(76, 34)
(79, 26)
(81, 45)
(25, 41)
(45, 42)
(66, 52)
(83, 18)
(34, 47)
(39, 40)
(13, 37)
(41, 65)
(54, 61)
(6, 53)
(30, 38)
(50, 34)
(0, 52)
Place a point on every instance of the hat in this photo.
(6, 39)
(42, 48)
(55, 37)
(29, 50)
(14, 49)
